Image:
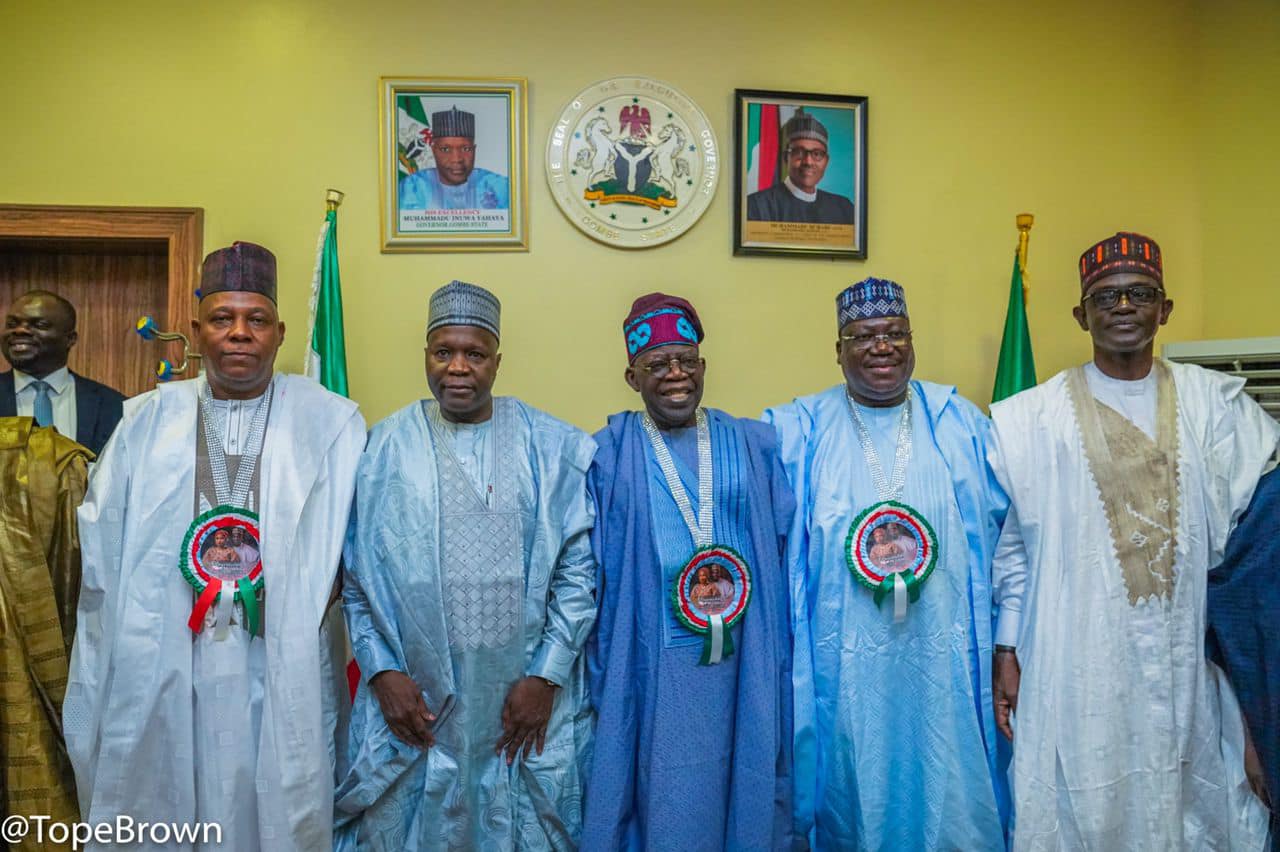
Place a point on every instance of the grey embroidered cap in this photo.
(460, 303)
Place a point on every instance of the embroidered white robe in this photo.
(1125, 736)
(129, 718)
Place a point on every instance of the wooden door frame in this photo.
(182, 228)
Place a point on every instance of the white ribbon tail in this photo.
(717, 640)
(899, 598)
(222, 611)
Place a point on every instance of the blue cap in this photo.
(870, 298)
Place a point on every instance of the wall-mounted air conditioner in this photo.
(1254, 359)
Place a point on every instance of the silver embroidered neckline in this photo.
(214, 432)
(701, 528)
(885, 489)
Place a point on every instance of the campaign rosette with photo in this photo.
(710, 595)
(632, 162)
(222, 552)
(892, 549)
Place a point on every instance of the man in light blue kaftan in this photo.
(469, 596)
(690, 755)
(455, 183)
(895, 740)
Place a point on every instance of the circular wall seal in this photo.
(632, 162)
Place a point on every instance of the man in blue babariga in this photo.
(668, 482)
(455, 183)
(866, 780)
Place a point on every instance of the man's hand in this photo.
(1253, 769)
(1005, 678)
(403, 708)
(524, 717)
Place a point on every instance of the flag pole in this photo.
(1024, 221)
(326, 359)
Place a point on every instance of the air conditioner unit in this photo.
(1254, 359)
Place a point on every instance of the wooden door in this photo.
(114, 265)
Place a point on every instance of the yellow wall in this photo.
(1240, 161)
(1078, 112)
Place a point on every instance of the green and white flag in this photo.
(1016, 369)
(413, 135)
(326, 345)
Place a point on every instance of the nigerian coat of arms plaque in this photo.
(632, 162)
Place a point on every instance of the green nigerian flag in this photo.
(1016, 369)
(327, 349)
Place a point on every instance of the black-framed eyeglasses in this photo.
(661, 369)
(1140, 296)
(863, 342)
(817, 155)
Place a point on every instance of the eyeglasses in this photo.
(449, 149)
(1140, 296)
(812, 153)
(863, 342)
(660, 369)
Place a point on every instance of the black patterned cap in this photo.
(1124, 252)
(240, 267)
(453, 122)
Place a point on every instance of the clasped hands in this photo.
(525, 713)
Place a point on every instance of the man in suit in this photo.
(39, 330)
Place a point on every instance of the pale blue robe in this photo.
(895, 737)
(459, 794)
(482, 190)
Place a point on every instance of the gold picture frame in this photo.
(463, 194)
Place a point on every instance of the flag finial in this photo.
(1024, 221)
(333, 199)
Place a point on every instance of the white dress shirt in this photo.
(237, 420)
(62, 393)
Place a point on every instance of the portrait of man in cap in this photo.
(454, 182)
(795, 197)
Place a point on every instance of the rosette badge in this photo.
(221, 560)
(710, 596)
(891, 549)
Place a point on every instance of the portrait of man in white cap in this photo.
(797, 198)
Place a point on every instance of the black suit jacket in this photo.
(98, 409)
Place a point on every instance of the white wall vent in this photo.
(1254, 359)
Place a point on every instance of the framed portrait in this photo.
(800, 181)
(452, 155)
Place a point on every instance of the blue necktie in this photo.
(44, 405)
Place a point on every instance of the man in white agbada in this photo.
(195, 689)
(1125, 475)
(469, 596)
